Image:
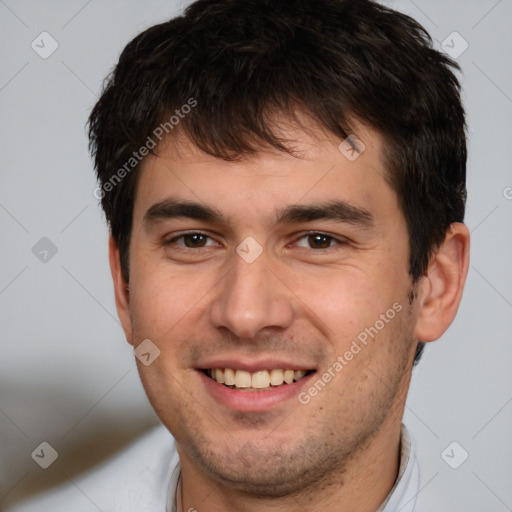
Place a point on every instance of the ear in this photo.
(440, 290)
(120, 289)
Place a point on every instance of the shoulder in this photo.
(135, 479)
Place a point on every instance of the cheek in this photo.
(165, 298)
(346, 300)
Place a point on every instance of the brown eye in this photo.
(194, 240)
(316, 240)
(191, 241)
(319, 241)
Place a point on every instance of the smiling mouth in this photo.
(263, 380)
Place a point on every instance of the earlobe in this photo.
(441, 288)
(121, 289)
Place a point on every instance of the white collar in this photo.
(402, 497)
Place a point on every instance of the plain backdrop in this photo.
(67, 376)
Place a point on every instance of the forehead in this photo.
(322, 167)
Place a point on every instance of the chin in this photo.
(266, 471)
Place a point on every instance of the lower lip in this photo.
(252, 401)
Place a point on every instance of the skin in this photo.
(298, 302)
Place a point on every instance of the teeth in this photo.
(242, 379)
(288, 376)
(297, 374)
(229, 377)
(276, 377)
(219, 375)
(262, 379)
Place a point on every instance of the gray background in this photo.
(66, 374)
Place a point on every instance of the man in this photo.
(284, 182)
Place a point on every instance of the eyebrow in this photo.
(337, 210)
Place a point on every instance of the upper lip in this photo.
(254, 365)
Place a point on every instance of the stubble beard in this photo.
(273, 466)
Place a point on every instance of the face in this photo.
(276, 289)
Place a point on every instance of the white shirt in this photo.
(402, 497)
(144, 478)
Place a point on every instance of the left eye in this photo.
(317, 241)
(193, 240)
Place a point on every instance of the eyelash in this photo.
(339, 241)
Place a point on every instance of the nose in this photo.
(250, 298)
